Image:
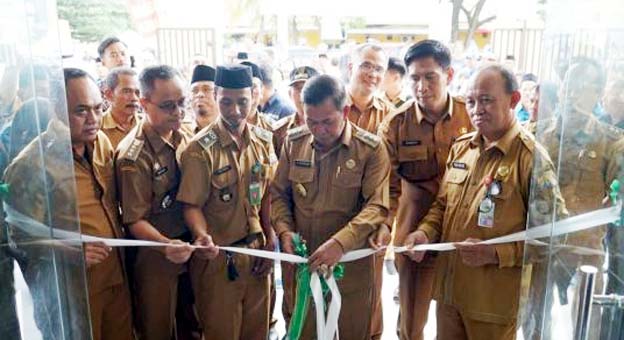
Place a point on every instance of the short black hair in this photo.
(107, 42)
(510, 81)
(429, 48)
(318, 88)
(112, 79)
(148, 77)
(32, 72)
(59, 93)
(266, 74)
(396, 64)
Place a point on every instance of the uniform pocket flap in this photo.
(301, 175)
(413, 153)
(456, 176)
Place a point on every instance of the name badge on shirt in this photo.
(161, 171)
(222, 170)
(459, 165)
(303, 163)
(411, 142)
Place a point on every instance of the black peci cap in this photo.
(203, 73)
(233, 76)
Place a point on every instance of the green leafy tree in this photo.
(92, 20)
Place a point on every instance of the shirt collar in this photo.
(225, 138)
(449, 109)
(108, 122)
(375, 102)
(157, 142)
(345, 137)
(504, 143)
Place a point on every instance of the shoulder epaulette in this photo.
(263, 134)
(466, 136)
(527, 139)
(134, 149)
(207, 139)
(278, 124)
(367, 137)
(298, 132)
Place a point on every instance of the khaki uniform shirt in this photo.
(589, 163)
(69, 184)
(190, 127)
(372, 117)
(418, 148)
(260, 119)
(398, 103)
(219, 178)
(280, 130)
(487, 293)
(149, 177)
(342, 194)
(113, 130)
(97, 208)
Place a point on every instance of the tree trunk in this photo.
(457, 4)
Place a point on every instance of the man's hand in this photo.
(262, 267)
(476, 255)
(380, 238)
(178, 252)
(95, 253)
(327, 255)
(209, 253)
(415, 238)
(286, 242)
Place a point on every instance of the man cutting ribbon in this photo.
(331, 186)
(485, 194)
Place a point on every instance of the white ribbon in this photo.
(327, 325)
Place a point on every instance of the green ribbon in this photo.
(303, 292)
(4, 191)
(614, 194)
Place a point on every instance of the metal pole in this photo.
(585, 295)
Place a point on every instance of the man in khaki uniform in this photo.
(367, 111)
(298, 77)
(226, 171)
(202, 100)
(95, 200)
(331, 186)
(418, 141)
(149, 176)
(366, 69)
(392, 89)
(484, 194)
(122, 93)
(587, 152)
(256, 117)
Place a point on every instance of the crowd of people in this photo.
(393, 154)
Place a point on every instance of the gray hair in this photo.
(112, 79)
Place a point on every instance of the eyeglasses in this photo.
(170, 106)
(370, 68)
